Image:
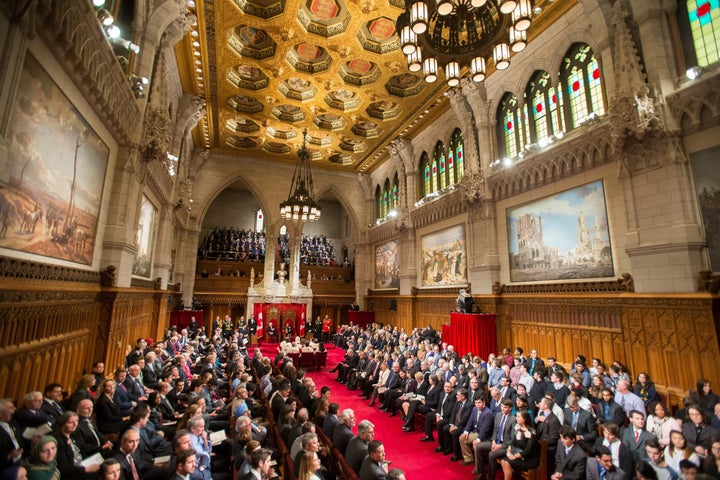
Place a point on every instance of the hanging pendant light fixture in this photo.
(300, 205)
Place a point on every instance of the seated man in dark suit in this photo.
(357, 449)
(601, 466)
(548, 427)
(260, 464)
(635, 435)
(10, 437)
(31, 414)
(342, 434)
(372, 466)
(184, 465)
(570, 458)
(609, 410)
(582, 422)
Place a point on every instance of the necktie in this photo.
(459, 413)
(501, 429)
(575, 420)
(57, 408)
(637, 435)
(603, 473)
(134, 471)
(92, 429)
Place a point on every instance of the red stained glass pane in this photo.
(260, 216)
(434, 170)
(576, 86)
(596, 73)
(509, 126)
(442, 164)
(554, 99)
(538, 107)
(703, 9)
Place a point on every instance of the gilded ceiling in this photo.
(270, 69)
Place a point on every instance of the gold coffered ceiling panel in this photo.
(272, 68)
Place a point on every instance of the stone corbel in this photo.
(475, 194)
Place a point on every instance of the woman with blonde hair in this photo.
(192, 411)
(309, 465)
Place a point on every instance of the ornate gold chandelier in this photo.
(301, 205)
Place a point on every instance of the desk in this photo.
(471, 332)
(181, 318)
(361, 319)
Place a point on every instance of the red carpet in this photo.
(405, 450)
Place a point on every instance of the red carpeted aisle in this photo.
(405, 450)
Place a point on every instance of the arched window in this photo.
(457, 150)
(378, 203)
(259, 221)
(542, 102)
(704, 19)
(433, 175)
(424, 175)
(510, 131)
(283, 230)
(581, 79)
(394, 193)
(439, 161)
(386, 199)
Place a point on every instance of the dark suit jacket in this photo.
(550, 431)
(342, 434)
(432, 396)
(66, 460)
(355, 453)
(277, 405)
(637, 448)
(626, 460)
(134, 391)
(85, 439)
(51, 410)
(447, 412)
(705, 438)
(150, 378)
(370, 470)
(123, 401)
(467, 409)
(108, 415)
(32, 418)
(6, 444)
(482, 425)
(572, 465)
(507, 428)
(329, 425)
(617, 414)
(585, 427)
(591, 471)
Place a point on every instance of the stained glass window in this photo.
(581, 78)
(451, 166)
(394, 195)
(456, 144)
(378, 203)
(439, 158)
(425, 168)
(259, 221)
(509, 126)
(704, 17)
(433, 176)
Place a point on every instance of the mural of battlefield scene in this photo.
(561, 237)
(52, 184)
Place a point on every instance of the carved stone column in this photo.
(480, 106)
(186, 261)
(465, 118)
(163, 246)
(119, 247)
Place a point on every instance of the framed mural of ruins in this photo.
(707, 186)
(443, 258)
(561, 237)
(52, 184)
(144, 239)
(387, 265)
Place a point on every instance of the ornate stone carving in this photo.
(626, 282)
(108, 276)
(497, 288)
(475, 194)
(609, 286)
(365, 184)
(707, 282)
(22, 269)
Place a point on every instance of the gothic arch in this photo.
(219, 188)
(332, 190)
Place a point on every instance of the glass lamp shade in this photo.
(477, 69)
(522, 15)
(430, 69)
(408, 39)
(518, 40)
(419, 17)
(452, 73)
(501, 56)
(478, 3)
(444, 7)
(507, 6)
(415, 60)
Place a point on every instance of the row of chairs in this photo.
(309, 360)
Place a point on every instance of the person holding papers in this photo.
(69, 457)
(41, 465)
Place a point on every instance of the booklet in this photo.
(39, 431)
(162, 461)
(218, 437)
(96, 459)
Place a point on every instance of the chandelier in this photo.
(459, 34)
(300, 205)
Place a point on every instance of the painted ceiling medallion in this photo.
(384, 109)
(252, 42)
(276, 147)
(261, 8)
(405, 85)
(241, 142)
(341, 158)
(379, 36)
(284, 132)
(342, 99)
(322, 140)
(297, 88)
(243, 125)
(288, 113)
(245, 76)
(309, 58)
(245, 104)
(359, 72)
(352, 145)
(329, 121)
(324, 17)
(366, 129)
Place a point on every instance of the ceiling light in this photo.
(300, 205)
(460, 35)
(98, 3)
(693, 73)
(105, 17)
(113, 31)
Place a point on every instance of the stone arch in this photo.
(219, 188)
(352, 214)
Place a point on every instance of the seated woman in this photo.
(41, 464)
(523, 453)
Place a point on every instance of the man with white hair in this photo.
(627, 399)
(357, 449)
(342, 434)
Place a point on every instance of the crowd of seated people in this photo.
(231, 244)
(316, 251)
(502, 414)
(194, 405)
